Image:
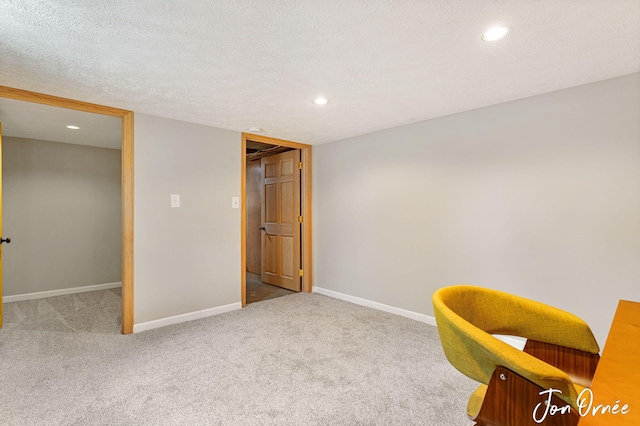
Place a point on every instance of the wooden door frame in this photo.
(305, 184)
(127, 182)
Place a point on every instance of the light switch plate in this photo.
(235, 202)
(175, 200)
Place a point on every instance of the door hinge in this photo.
(300, 165)
(301, 272)
(299, 219)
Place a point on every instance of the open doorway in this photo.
(273, 230)
(61, 183)
(276, 218)
(126, 159)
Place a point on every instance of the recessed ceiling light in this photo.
(320, 101)
(255, 129)
(495, 33)
(73, 127)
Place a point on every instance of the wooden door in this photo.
(280, 210)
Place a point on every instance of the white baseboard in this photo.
(61, 292)
(177, 319)
(515, 341)
(375, 305)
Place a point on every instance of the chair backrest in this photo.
(467, 316)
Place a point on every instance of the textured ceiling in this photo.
(35, 121)
(381, 63)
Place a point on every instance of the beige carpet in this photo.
(304, 359)
(96, 311)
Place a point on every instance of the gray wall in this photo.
(186, 259)
(62, 210)
(539, 197)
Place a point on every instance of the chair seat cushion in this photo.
(475, 402)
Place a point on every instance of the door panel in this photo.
(270, 203)
(286, 260)
(270, 170)
(280, 211)
(287, 212)
(270, 257)
(286, 167)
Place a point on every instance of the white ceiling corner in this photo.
(235, 64)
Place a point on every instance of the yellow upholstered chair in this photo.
(560, 353)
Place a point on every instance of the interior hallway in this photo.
(258, 291)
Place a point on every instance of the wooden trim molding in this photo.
(127, 181)
(39, 98)
(272, 141)
(243, 223)
(307, 262)
(127, 223)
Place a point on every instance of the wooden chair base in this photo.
(512, 400)
(579, 365)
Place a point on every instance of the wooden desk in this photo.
(617, 378)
